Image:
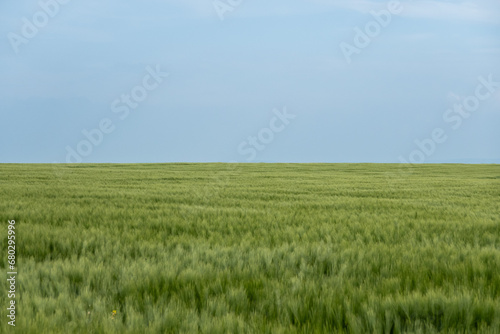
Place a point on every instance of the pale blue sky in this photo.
(228, 79)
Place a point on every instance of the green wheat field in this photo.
(252, 248)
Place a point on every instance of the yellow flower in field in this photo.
(114, 312)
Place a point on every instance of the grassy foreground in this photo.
(253, 248)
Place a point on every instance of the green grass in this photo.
(253, 248)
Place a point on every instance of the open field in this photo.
(251, 248)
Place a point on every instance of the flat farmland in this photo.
(253, 248)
